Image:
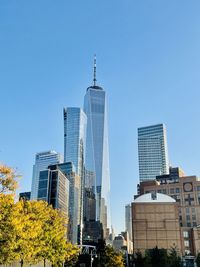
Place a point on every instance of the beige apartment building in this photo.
(186, 191)
(155, 222)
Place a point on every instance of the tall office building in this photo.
(42, 161)
(60, 186)
(128, 220)
(97, 154)
(152, 152)
(75, 122)
(54, 188)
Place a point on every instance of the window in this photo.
(194, 224)
(185, 234)
(187, 217)
(194, 217)
(177, 190)
(188, 224)
(198, 188)
(193, 210)
(42, 193)
(43, 184)
(172, 191)
(187, 210)
(186, 243)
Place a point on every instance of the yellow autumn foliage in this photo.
(32, 231)
(8, 179)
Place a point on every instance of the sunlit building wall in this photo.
(152, 152)
(97, 154)
(75, 122)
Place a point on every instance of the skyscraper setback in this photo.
(97, 154)
(152, 152)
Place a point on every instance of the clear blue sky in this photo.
(148, 61)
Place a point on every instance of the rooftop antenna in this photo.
(95, 70)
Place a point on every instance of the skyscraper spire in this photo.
(95, 68)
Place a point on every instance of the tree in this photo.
(8, 179)
(55, 247)
(139, 259)
(198, 260)
(41, 234)
(31, 231)
(71, 257)
(174, 259)
(108, 257)
(156, 257)
(29, 222)
(113, 258)
(7, 239)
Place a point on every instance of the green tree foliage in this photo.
(107, 256)
(8, 179)
(198, 260)
(156, 257)
(139, 259)
(173, 258)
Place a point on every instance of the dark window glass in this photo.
(187, 217)
(43, 184)
(42, 193)
(177, 190)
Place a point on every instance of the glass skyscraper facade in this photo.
(75, 122)
(152, 152)
(97, 154)
(54, 188)
(42, 161)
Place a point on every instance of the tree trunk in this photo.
(44, 263)
(22, 262)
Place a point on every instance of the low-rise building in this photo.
(155, 222)
(185, 190)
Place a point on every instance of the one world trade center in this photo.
(97, 152)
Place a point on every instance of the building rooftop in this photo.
(95, 87)
(154, 198)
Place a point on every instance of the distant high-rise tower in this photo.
(128, 220)
(42, 161)
(75, 122)
(97, 154)
(152, 152)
